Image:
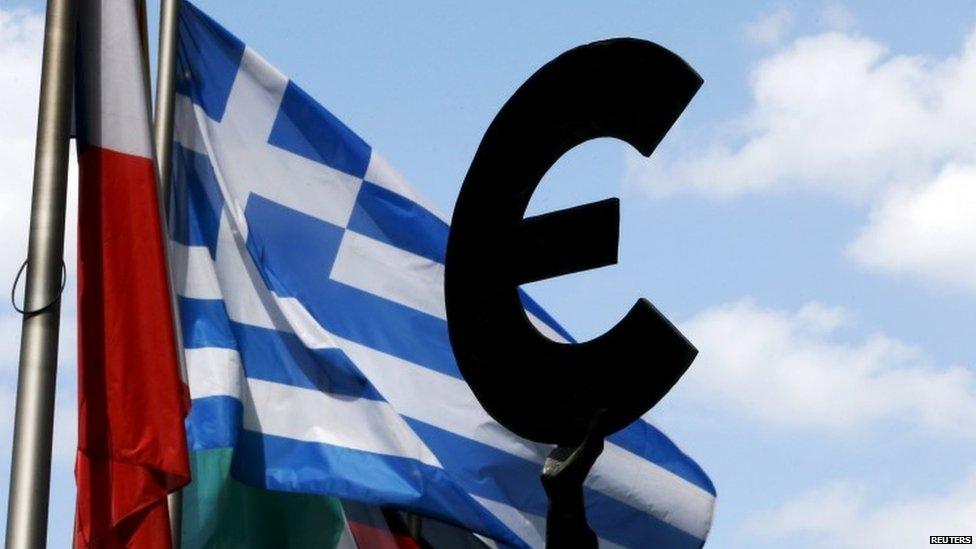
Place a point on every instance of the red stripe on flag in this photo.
(379, 537)
(131, 442)
(374, 537)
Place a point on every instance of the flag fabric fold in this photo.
(132, 447)
(310, 282)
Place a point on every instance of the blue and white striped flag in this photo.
(310, 281)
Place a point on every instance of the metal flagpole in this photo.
(169, 13)
(30, 474)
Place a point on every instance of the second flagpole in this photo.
(169, 14)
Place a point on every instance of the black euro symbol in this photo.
(540, 389)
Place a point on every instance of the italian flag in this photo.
(132, 448)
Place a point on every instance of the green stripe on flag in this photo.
(218, 511)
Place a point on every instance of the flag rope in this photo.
(55, 299)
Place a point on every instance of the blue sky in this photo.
(805, 224)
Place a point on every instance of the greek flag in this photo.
(310, 282)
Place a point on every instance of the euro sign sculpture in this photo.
(569, 395)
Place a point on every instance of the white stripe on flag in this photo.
(314, 416)
(531, 528)
(246, 297)
(193, 271)
(185, 129)
(643, 484)
(111, 90)
(213, 371)
(455, 409)
(303, 325)
(378, 268)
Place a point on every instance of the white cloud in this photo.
(928, 231)
(820, 510)
(787, 369)
(834, 113)
(770, 28)
(841, 514)
(839, 114)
